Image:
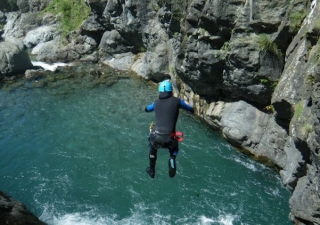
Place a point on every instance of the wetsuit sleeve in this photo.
(186, 106)
(149, 108)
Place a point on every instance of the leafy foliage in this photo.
(70, 13)
(297, 109)
(317, 26)
(296, 19)
(265, 44)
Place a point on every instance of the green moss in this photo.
(71, 14)
(223, 52)
(314, 55)
(142, 49)
(264, 81)
(296, 19)
(266, 45)
(309, 79)
(317, 26)
(269, 109)
(274, 84)
(297, 109)
(306, 129)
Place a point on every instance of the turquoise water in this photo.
(79, 157)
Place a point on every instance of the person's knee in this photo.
(174, 153)
(152, 156)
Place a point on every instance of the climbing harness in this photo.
(151, 127)
(178, 135)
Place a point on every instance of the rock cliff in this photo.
(250, 68)
(14, 213)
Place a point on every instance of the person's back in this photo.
(166, 109)
(163, 136)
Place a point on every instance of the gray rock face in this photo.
(13, 59)
(32, 5)
(14, 212)
(305, 200)
(243, 124)
(40, 35)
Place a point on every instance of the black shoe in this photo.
(150, 172)
(172, 167)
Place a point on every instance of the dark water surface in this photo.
(77, 155)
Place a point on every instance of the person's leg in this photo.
(173, 150)
(151, 169)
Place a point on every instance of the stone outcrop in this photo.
(13, 59)
(250, 68)
(15, 213)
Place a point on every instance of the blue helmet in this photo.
(165, 86)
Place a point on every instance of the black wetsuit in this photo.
(166, 111)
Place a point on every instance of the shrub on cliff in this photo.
(70, 14)
(266, 45)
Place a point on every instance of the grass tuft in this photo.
(266, 45)
(296, 19)
(71, 14)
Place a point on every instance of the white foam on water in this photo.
(206, 220)
(85, 218)
(138, 216)
(222, 219)
(226, 219)
(250, 166)
(273, 192)
(92, 217)
(51, 67)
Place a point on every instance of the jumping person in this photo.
(162, 135)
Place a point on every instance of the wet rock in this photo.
(15, 213)
(13, 59)
(39, 35)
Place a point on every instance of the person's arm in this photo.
(149, 108)
(186, 106)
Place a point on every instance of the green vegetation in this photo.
(71, 13)
(142, 49)
(222, 53)
(317, 27)
(274, 84)
(269, 108)
(303, 126)
(296, 19)
(177, 7)
(306, 129)
(309, 79)
(226, 46)
(177, 14)
(266, 45)
(297, 110)
(317, 56)
(314, 55)
(264, 81)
